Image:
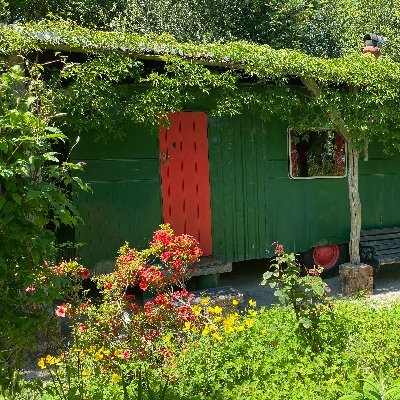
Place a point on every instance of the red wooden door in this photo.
(185, 176)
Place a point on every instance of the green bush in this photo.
(34, 201)
(361, 341)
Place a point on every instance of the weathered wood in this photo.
(356, 278)
(381, 231)
(381, 246)
(386, 260)
(355, 205)
(353, 157)
(388, 252)
(387, 238)
(209, 266)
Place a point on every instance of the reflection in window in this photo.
(316, 153)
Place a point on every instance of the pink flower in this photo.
(58, 270)
(126, 354)
(60, 311)
(81, 328)
(85, 273)
(30, 289)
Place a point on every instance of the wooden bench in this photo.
(380, 247)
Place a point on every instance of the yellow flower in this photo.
(167, 338)
(239, 328)
(215, 310)
(42, 363)
(249, 322)
(116, 378)
(187, 326)
(253, 312)
(235, 302)
(208, 329)
(229, 329)
(252, 303)
(51, 360)
(118, 353)
(217, 319)
(98, 356)
(196, 310)
(216, 336)
(263, 331)
(106, 352)
(205, 300)
(86, 372)
(229, 321)
(76, 349)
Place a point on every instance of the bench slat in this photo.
(388, 236)
(382, 244)
(372, 232)
(386, 252)
(387, 260)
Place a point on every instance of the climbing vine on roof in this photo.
(355, 84)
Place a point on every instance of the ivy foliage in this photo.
(362, 89)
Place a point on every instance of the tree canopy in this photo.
(317, 27)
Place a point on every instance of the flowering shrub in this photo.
(306, 295)
(112, 338)
(163, 264)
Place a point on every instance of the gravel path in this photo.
(246, 278)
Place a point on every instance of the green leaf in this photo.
(4, 145)
(16, 197)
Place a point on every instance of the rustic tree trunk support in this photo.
(354, 276)
(355, 204)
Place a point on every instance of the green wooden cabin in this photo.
(252, 201)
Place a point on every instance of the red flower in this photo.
(126, 354)
(143, 284)
(61, 311)
(81, 328)
(85, 273)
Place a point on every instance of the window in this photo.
(316, 154)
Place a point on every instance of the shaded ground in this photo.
(246, 278)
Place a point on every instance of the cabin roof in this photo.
(258, 60)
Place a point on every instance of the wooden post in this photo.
(355, 204)
(354, 276)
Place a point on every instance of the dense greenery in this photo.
(319, 27)
(368, 109)
(270, 361)
(175, 346)
(34, 201)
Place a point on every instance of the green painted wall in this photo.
(253, 201)
(125, 202)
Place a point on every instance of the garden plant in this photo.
(176, 346)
